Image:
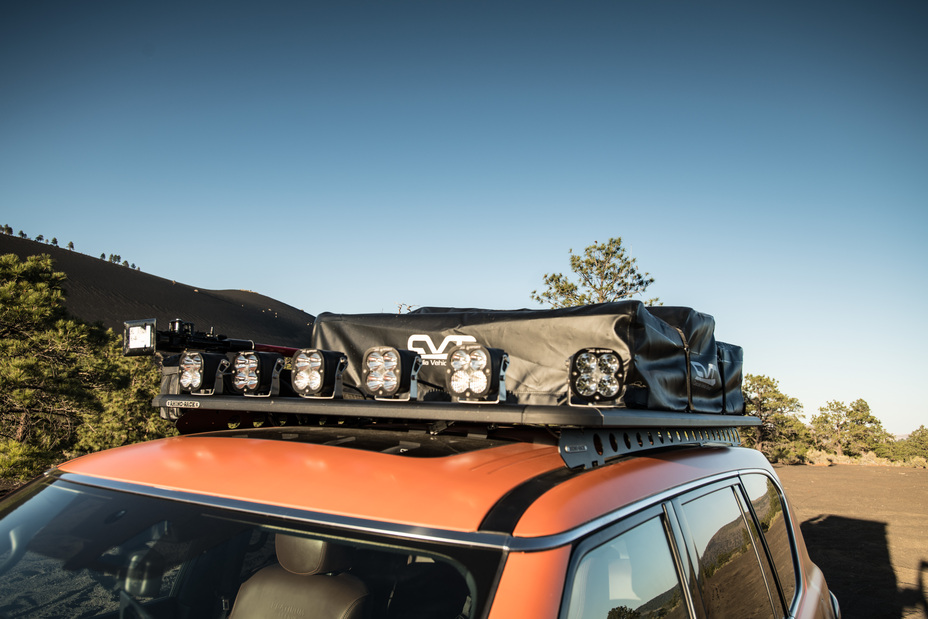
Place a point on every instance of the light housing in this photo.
(201, 372)
(476, 373)
(389, 373)
(139, 337)
(317, 373)
(596, 377)
(257, 373)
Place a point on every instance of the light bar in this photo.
(317, 373)
(257, 373)
(596, 376)
(390, 374)
(476, 373)
(202, 372)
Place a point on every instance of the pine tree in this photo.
(604, 274)
(64, 386)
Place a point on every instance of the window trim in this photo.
(668, 506)
(799, 590)
(596, 540)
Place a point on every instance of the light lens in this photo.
(307, 371)
(255, 371)
(595, 374)
(191, 371)
(388, 372)
(316, 373)
(474, 371)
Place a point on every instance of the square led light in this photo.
(596, 376)
(317, 373)
(257, 373)
(476, 373)
(389, 373)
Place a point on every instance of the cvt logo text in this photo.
(435, 355)
(705, 375)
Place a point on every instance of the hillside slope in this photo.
(99, 291)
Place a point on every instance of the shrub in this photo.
(21, 462)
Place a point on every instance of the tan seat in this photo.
(309, 581)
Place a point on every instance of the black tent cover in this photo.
(670, 358)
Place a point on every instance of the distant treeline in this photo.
(838, 433)
(114, 258)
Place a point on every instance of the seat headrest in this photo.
(304, 556)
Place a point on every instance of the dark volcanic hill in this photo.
(99, 291)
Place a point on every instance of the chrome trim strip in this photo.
(529, 544)
(482, 540)
(497, 541)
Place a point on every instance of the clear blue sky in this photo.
(767, 163)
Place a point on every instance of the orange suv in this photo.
(345, 480)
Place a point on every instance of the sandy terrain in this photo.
(867, 528)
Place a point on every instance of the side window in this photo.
(730, 579)
(629, 576)
(768, 507)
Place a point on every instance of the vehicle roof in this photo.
(437, 482)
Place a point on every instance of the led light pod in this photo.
(596, 376)
(476, 373)
(317, 373)
(201, 372)
(257, 373)
(390, 374)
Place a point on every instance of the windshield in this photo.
(70, 550)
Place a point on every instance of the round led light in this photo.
(375, 381)
(478, 359)
(608, 386)
(390, 360)
(609, 363)
(459, 382)
(478, 382)
(374, 361)
(390, 382)
(459, 360)
(301, 380)
(586, 386)
(586, 362)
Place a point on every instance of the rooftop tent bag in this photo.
(705, 388)
(654, 370)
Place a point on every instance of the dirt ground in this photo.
(867, 529)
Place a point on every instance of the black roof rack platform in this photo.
(589, 436)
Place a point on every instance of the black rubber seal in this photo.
(506, 513)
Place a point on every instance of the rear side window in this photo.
(768, 507)
(729, 575)
(630, 575)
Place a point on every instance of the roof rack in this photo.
(588, 437)
(610, 379)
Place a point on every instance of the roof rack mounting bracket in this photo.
(589, 448)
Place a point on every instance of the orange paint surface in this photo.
(599, 492)
(531, 585)
(453, 492)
